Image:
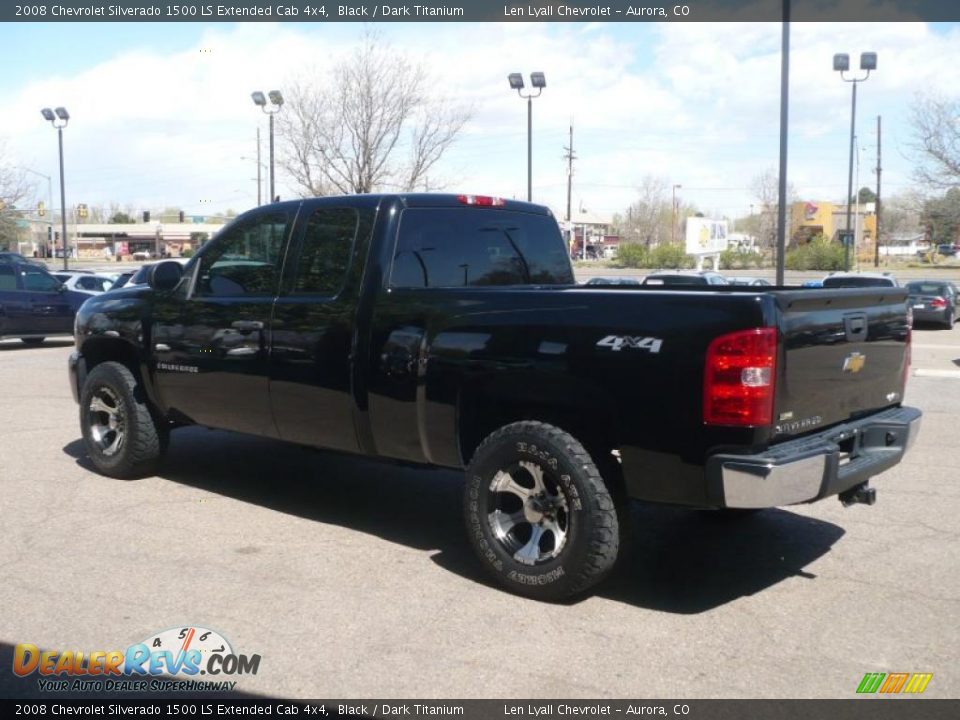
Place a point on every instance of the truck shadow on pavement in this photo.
(676, 560)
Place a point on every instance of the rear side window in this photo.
(325, 256)
(459, 247)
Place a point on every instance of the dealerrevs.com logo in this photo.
(188, 659)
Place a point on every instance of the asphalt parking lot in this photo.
(354, 579)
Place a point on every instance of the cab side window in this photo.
(246, 260)
(325, 255)
(38, 280)
(8, 278)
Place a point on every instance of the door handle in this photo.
(246, 325)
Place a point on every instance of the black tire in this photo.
(948, 323)
(556, 487)
(121, 436)
(32, 341)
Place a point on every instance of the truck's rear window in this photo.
(458, 247)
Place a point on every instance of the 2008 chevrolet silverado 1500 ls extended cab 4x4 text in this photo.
(448, 330)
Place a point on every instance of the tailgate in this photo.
(844, 354)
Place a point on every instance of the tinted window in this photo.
(8, 278)
(93, 283)
(459, 247)
(38, 280)
(921, 288)
(857, 282)
(244, 260)
(327, 244)
(675, 280)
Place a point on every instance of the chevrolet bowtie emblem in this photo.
(854, 362)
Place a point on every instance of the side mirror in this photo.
(165, 275)
(62, 288)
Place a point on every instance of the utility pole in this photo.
(569, 157)
(876, 244)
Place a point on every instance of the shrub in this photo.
(670, 256)
(818, 254)
(632, 255)
(738, 259)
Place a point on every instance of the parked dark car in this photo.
(680, 277)
(448, 331)
(933, 301)
(10, 256)
(947, 250)
(33, 303)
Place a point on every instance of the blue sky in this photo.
(157, 123)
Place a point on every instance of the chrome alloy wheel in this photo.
(107, 421)
(529, 515)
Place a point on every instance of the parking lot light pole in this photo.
(271, 108)
(59, 119)
(538, 81)
(841, 64)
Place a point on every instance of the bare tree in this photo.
(766, 190)
(647, 219)
(936, 141)
(370, 125)
(14, 191)
(901, 217)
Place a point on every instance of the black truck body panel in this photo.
(423, 374)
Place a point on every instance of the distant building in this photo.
(809, 218)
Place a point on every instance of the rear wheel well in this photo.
(588, 425)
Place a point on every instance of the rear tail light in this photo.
(938, 302)
(481, 200)
(738, 380)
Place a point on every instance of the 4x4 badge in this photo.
(854, 362)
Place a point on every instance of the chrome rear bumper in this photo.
(816, 466)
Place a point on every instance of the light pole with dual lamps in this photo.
(538, 81)
(271, 109)
(841, 64)
(59, 119)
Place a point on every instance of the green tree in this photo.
(866, 195)
(121, 218)
(941, 217)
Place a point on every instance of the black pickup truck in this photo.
(448, 330)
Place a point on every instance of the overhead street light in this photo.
(271, 108)
(59, 118)
(841, 64)
(538, 81)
